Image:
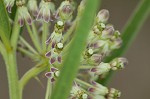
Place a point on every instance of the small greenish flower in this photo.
(98, 89)
(56, 36)
(102, 68)
(102, 16)
(113, 94)
(118, 63)
(9, 4)
(108, 32)
(65, 10)
(77, 93)
(53, 74)
(46, 10)
(23, 14)
(32, 6)
(55, 53)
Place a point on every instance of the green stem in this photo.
(44, 35)
(15, 33)
(48, 90)
(30, 74)
(83, 82)
(85, 67)
(12, 74)
(35, 33)
(130, 31)
(26, 52)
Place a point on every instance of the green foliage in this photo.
(4, 24)
(71, 63)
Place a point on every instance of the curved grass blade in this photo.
(130, 31)
(71, 63)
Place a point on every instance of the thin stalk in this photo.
(44, 35)
(28, 45)
(30, 74)
(83, 82)
(26, 52)
(48, 90)
(15, 33)
(35, 42)
(35, 33)
(85, 67)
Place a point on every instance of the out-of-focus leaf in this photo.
(71, 63)
(4, 22)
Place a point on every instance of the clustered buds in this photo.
(53, 74)
(55, 53)
(102, 40)
(77, 93)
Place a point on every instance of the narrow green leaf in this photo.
(130, 31)
(4, 22)
(71, 63)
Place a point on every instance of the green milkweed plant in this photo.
(76, 48)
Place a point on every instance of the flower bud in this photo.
(23, 14)
(102, 68)
(53, 74)
(113, 94)
(97, 29)
(95, 59)
(66, 12)
(32, 5)
(77, 93)
(9, 4)
(46, 7)
(108, 32)
(88, 53)
(59, 27)
(116, 43)
(98, 89)
(102, 16)
(118, 63)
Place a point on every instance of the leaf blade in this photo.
(70, 66)
(4, 22)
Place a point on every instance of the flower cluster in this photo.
(102, 40)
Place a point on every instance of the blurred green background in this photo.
(133, 81)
